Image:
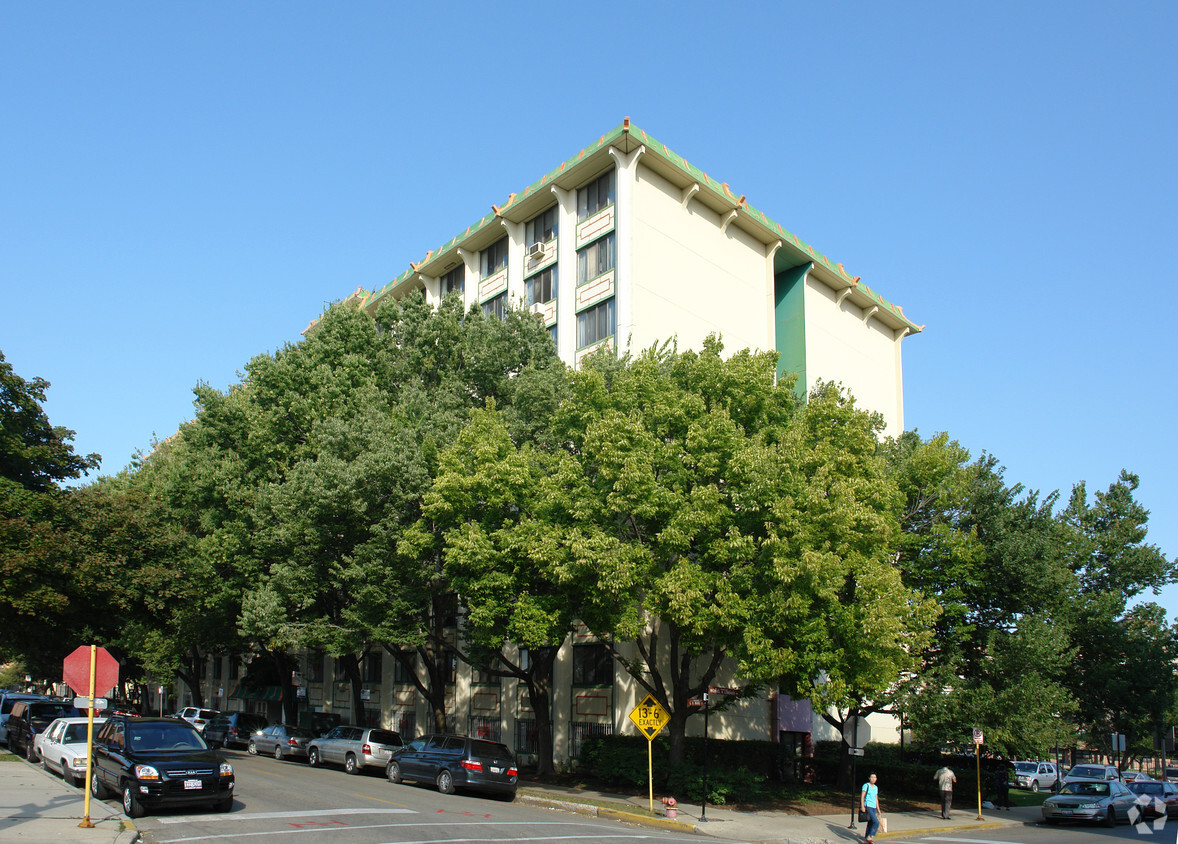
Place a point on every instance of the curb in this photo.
(600, 812)
(972, 827)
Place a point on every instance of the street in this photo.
(291, 799)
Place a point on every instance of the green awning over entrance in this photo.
(257, 693)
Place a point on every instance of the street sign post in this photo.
(94, 669)
(650, 718)
(978, 737)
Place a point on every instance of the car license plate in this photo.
(190, 784)
(495, 770)
(1066, 811)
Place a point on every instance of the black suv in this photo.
(155, 762)
(242, 725)
(454, 762)
(29, 717)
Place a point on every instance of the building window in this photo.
(402, 674)
(315, 667)
(454, 281)
(592, 665)
(596, 323)
(552, 334)
(494, 258)
(596, 195)
(496, 307)
(596, 258)
(542, 286)
(450, 666)
(543, 228)
(234, 668)
(372, 668)
(204, 668)
(217, 668)
(483, 677)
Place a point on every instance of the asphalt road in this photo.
(1041, 834)
(291, 802)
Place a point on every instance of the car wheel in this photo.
(97, 789)
(30, 752)
(278, 752)
(1111, 818)
(132, 808)
(350, 765)
(445, 782)
(1035, 786)
(251, 748)
(313, 757)
(393, 771)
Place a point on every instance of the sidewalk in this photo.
(767, 827)
(38, 808)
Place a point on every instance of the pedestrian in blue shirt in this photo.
(869, 803)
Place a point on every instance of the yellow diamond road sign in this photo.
(649, 717)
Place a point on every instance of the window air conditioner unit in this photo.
(536, 250)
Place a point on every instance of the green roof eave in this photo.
(629, 138)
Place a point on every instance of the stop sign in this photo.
(75, 671)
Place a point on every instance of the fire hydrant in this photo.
(672, 809)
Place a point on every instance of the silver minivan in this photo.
(354, 748)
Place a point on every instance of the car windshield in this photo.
(1081, 771)
(1087, 788)
(77, 732)
(219, 721)
(164, 737)
(1025, 767)
(300, 732)
(206, 714)
(52, 710)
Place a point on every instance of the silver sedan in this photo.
(1107, 801)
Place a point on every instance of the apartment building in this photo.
(625, 245)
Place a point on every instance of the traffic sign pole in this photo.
(86, 824)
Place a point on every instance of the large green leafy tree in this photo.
(990, 555)
(39, 603)
(733, 521)
(1123, 674)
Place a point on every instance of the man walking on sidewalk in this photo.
(945, 779)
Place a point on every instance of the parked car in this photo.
(1128, 777)
(7, 700)
(1155, 794)
(1034, 775)
(29, 717)
(285, 741)
(156, 762)
(196, 716)
(1107, 801)
(1102, 773)
(456, 762)
(242, 725)
(1171, 774)
(354, 747)
(62, 747)
(216, 731)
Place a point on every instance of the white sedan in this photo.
(62, 748)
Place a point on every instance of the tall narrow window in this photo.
(542, 286)
(543, 228)
(454, 281)
(372, 668)
(596, 323)
(596, 195)
(596, 258)
(592, 665)
(494, 257)
(496, 307)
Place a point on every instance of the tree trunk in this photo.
(351, 665)
(539, 683)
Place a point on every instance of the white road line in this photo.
(972, 840)
(601, 833)
(300, 813)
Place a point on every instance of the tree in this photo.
(39, 600)
(728, 520)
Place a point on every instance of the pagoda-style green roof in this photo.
(595, 158)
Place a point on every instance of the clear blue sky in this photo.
(186, 185)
